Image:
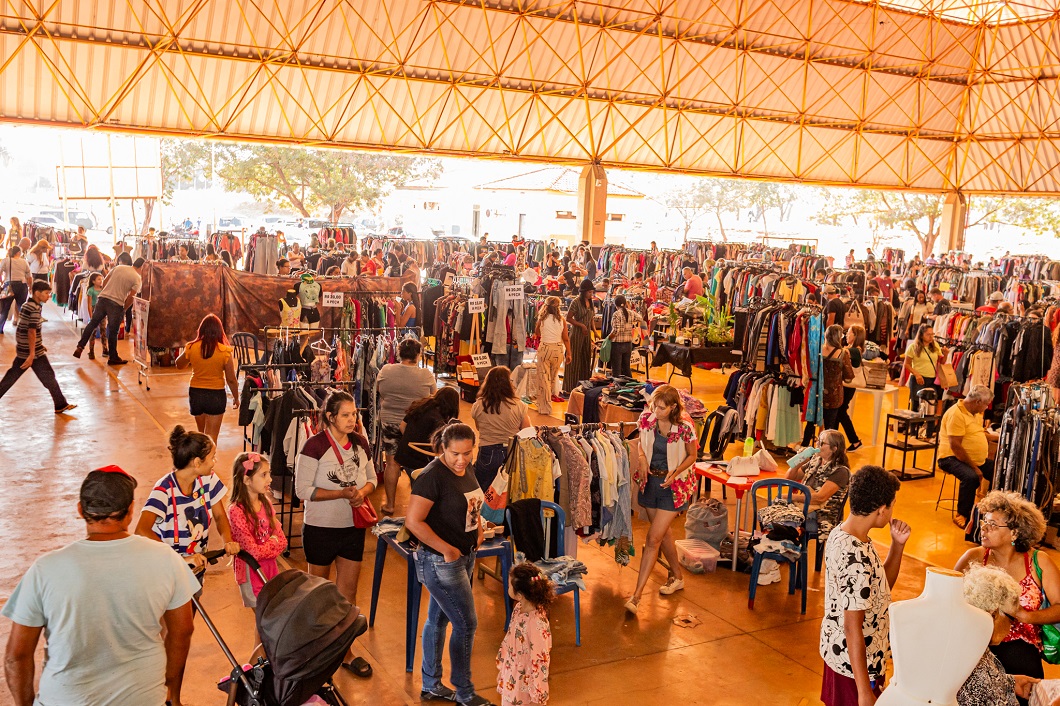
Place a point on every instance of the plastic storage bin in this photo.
(697, 556)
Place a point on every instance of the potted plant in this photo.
(675, 318)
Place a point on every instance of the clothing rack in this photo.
(1028, 446)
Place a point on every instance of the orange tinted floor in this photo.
(734, 656)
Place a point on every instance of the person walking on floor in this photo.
(666, 452)
(855, 340)
(580, 316)
(15, 281)
(445, 516)
(553, 351)
(120, 286)
(210, 358)
(102, 602)
(30, 351)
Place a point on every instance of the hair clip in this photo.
(252, 460)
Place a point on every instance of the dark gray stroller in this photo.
(306, 627)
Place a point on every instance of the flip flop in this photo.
(387, 510)
(359, 667)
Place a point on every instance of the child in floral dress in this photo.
(522, 662)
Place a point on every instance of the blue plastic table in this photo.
(492, 547)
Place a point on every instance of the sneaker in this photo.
(117, 361)
(65, 409)
(772, 577)
(476, 700)
(438, 693)
(855, 446)
(557, 398)
(78, 351)
(632, 606)
(672, 586)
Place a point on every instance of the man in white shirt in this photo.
(101, 603)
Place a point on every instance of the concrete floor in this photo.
(735, 656)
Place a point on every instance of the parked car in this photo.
(78, 218)
(233, 222)
(54, 222)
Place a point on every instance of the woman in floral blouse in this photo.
(668, 450)
(523, 660)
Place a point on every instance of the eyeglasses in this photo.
(991, 525)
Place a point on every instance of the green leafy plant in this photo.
(718, 320)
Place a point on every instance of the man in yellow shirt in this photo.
(964, 446)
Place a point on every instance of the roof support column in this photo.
(954, 221)
(592, 204)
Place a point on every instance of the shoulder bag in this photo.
(364, 515)
(1050, 633)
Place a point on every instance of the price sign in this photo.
(482, 360)
(332, 299)
(513, 292)
(944, 286)
(476, 306)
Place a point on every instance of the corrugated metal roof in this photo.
(904, 93)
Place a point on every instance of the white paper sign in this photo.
(332, 299)
(482, 360)
(476, 306)
(513, 293)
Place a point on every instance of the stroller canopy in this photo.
(306, 627)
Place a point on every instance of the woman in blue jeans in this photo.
(445, 516)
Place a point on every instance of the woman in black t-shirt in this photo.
(445, 516)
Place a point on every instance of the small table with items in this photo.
(740, 484)
(491, 547)
(682, 357)
(906, 438)
(609, 413)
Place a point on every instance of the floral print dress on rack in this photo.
(523, 660)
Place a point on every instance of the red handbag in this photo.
(364, 515)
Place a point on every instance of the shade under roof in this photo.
(937, 95)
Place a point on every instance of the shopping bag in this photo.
(497, 492)
(946, 377)
(765, 460)
(605, 350)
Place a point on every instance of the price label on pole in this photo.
(476, 306)
(332, 299)
(514, 292)
(482, 360)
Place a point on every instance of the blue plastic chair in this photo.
(781, 489)
(552, 512)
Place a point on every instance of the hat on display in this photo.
(997, 297)
(586, 286)
(831, 289)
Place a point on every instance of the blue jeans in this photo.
(511, 358)
(487, 465)
(451, 602)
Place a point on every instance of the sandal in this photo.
(387, 510)
(359, 667)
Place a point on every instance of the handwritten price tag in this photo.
(482, 360)
(332, 299)
(476, 306)
(513, 293)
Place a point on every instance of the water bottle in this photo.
(749, 446)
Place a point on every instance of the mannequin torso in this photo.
(936, 641)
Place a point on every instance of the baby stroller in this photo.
(306, 627)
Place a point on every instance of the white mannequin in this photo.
(936, 641)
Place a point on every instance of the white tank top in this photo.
(552, 330)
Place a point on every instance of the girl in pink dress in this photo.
(522, 662)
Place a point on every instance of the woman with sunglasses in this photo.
(827, 474)
(667, 450)
(1010, 527)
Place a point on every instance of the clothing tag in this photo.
(332, 299)
(513, 292)
(476, 306)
